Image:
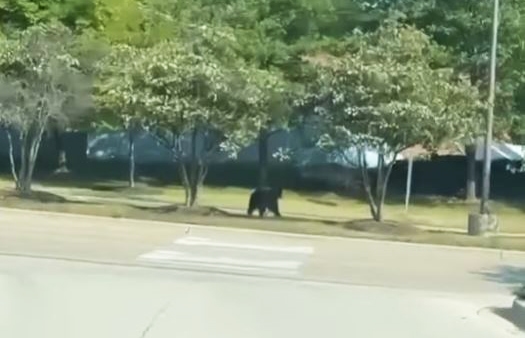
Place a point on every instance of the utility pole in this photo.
(479, 223)
(487, 160)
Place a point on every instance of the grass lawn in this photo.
(310, 213)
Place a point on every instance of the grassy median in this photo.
(309, 213)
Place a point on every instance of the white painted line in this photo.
(175, 256)
(196, 241)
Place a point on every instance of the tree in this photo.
(270, 35)
(119, 97)
(41, 81)
(464, 28)
(191, 95)
(385, 95)
(266, 97)
(184, 95)
(21, 14)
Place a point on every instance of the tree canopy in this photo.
(382, 74)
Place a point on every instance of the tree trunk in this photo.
(23, 162)
(379, 176)
(263, 158)
(185, 182)
(61, 152)
(367, 186)
(194, 171)
(29, 152)
(12, 158)
(131, 157)
(470, 189)
(385, 177)
(376, 201)
(33, 154)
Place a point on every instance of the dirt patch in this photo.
(388, 228)
(184, 210)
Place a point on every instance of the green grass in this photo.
(432, 212)
(309, 213)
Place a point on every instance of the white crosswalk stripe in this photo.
(205, 253)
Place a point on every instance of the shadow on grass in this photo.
(143, 186)
(385, 228)
(182, 209)
(43, 197)
(430, 201)
(360, 225)
(321, 202)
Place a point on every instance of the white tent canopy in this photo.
(500, 151)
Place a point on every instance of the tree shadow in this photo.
(95, 182)
(370, 226)
(393, 199)
(505, 274)
(321, 202)
(384, 228)
(43, 197)
(179, 208)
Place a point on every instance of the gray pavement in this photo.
(349, 261)
(377, 287)
(57, 299)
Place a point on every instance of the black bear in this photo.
(263, 199)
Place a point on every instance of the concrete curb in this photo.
(518, 309)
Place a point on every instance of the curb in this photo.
(518, 309)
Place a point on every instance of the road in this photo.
(56, 299)
(198, 277)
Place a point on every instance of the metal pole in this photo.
(490, 113)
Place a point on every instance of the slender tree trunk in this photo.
(384, 187)
(263, 157)
(30, 145)
(185, 182)
(194, 194)
(61, 151)
(12, 158)
(194, 169)
(131, 157)
(23, 162)
(470, 189)
(33, 155)
(366, 183)
(376, 201)
(379, 176)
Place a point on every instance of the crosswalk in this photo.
(226, 256)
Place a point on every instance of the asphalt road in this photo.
(300, 286)
(57, 299)
(349, 261)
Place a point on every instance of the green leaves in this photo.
(43, 76)
(386, 94)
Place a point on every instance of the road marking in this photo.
(198, 241)
(205, 253)
(176, 256)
